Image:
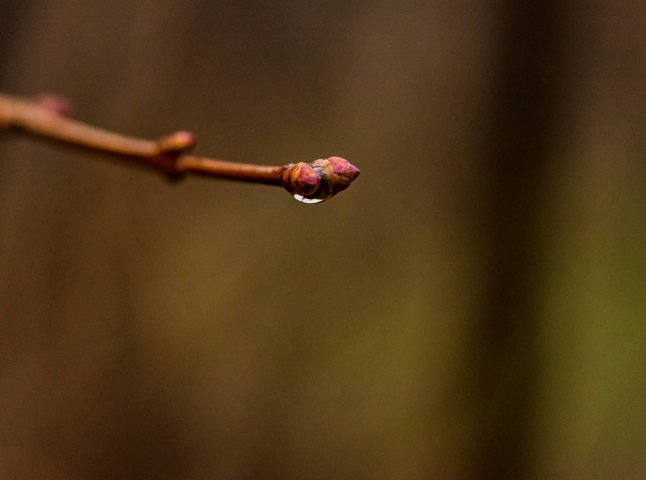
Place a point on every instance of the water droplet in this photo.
(302, 199)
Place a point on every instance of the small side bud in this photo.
(55, 104)
(304, 179)
(176, 143)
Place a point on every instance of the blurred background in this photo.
(472, 307)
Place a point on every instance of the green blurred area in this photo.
(472, 307)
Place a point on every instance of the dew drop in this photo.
(302, 199)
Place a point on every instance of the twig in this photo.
(46, 117)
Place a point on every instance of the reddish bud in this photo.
(181, 141)
(55, 104)
(319, 180)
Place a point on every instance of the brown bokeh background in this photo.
(473, 307)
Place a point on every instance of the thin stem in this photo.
(46, 118)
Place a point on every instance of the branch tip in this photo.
(319, 180)
(46, 116)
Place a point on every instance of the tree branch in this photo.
(46, 117)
